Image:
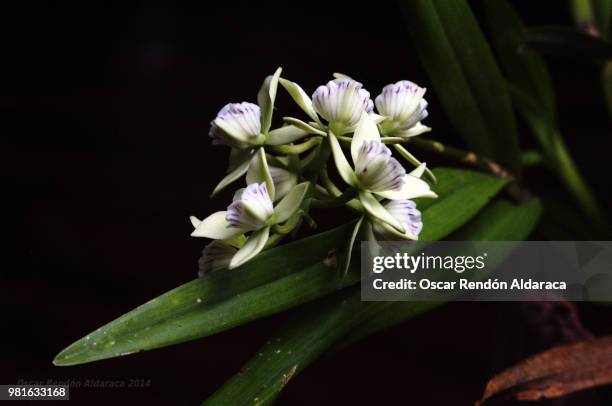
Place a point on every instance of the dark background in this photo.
(105, 154)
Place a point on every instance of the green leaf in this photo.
(565, 41)
(275, 280)
(464, 75)
(602, 9)
(456, 203)
(343, 319)
(219, 301)
(414, 161)
(539, 120)
(266, 98)
(526, 71)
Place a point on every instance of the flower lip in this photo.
(236, 122)
(403, 102)
(251, 209)
(341, 101)
(376, 169)
(215, 256)
(406, 212)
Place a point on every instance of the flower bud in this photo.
(404, 106)
(237, 125)
(407, 214)
(216, 255)
(251, 208)
(341, 102)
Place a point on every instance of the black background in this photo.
(105, 154)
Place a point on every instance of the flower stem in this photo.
(297, 148)
(466, 157)
(336, 201)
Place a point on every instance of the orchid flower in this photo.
(252, 211)
(376, 172)
(403, 106)
(341, 102)
(246, 127)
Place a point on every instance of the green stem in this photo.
(289, 224)
(532, 158)
(336, 201)
(297, 148)
(334, 191)
(466, 157)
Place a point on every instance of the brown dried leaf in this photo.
(556, 372)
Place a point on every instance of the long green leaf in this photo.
(465, 76)
(526, 71)
(565, 41)
(343, 318)
(275, 280)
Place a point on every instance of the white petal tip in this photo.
(195, 222)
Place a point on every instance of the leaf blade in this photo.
(321, 326)
(294, 272)
(464, 75)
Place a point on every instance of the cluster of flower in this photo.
(286, 168)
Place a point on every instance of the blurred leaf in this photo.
(602, 9)
(565, 41)
(463, 72)
(556, 372)
(606, 84)
(275, 280)
(539, 120)
(343, 318)
(526, 71)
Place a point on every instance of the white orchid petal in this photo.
(215, 256)
(237, 125)
(290, 203)
(251, 209)
(233, 176)
(194, 221)
(300, 97)
(341, 102)
(418, 129)
(375, 168)
(253, 246)
(406, 212)
(260, 172)
(216, 227)
(377, 118)
(412, 188)
(342, 165)
(285, 135)
(266, 98)
(377, 210)
(366, 131)
(419, 170)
